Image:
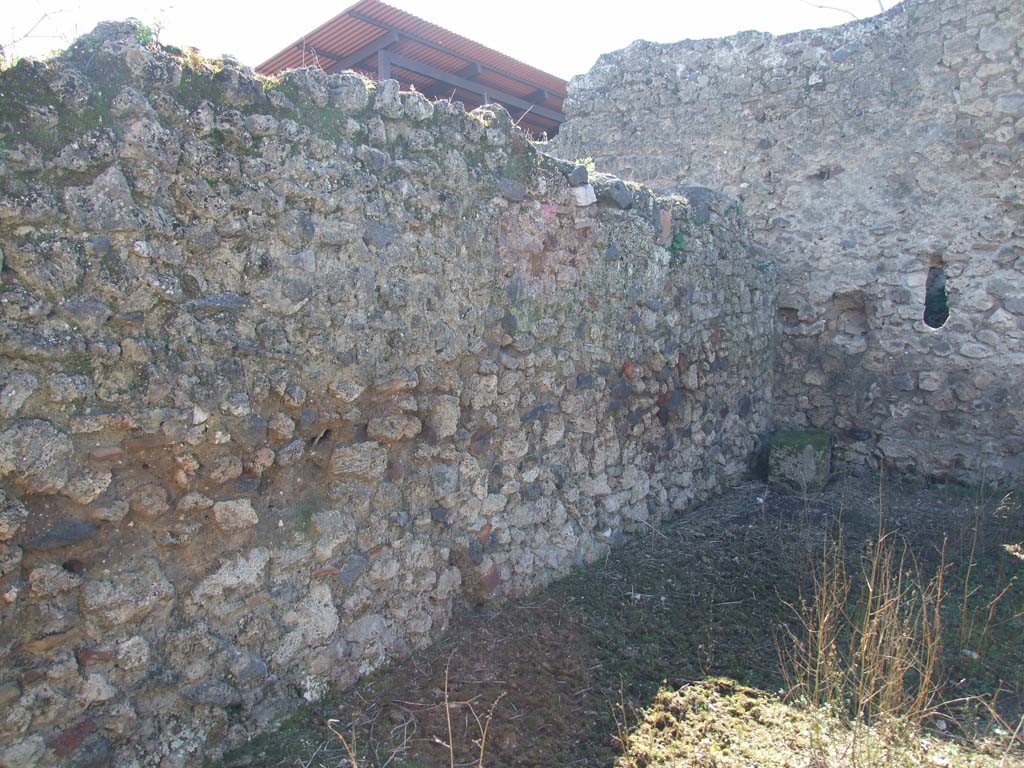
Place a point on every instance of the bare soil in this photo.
(564, 677)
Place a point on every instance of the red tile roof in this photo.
(438, 63)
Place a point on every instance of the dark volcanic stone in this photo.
(511, 190)
(439, 515)
(251, 432)
(481, 441)
(536, 412)
(63, 533)
(355, 565)
(214, 693)
(618, 194)
(246, 485)
(622, 388)
(578, 176)
(378, 235)
(532, 491)
(246, 666)
(220, 302)
(95, 752)
(509, 323)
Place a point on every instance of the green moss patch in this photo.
(801, 459)
(816, 439)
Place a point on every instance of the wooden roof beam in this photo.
(471, 70)
(411, 65)
(316, 52)
(372, 47)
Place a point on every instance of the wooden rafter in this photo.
(354, 58)
(437, 47)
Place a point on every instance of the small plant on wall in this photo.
(677, 249)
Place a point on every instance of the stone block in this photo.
(366, 460)
(584, 195)
(800, 459)
(234, 515)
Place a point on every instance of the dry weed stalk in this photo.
(879, 661)
(976, 622)
(350, 749)
(622, 729)
(483, 723)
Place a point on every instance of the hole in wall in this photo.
(851, 312)
(936, 300)
(327, 435)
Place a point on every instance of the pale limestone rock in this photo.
(393, 428)
(365, 460)
(35, 456)
(234, 515)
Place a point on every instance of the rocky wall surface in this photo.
(866, 156)
(288, 369)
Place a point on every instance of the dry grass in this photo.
(718, 723)
(978, 620)
(865, 666)
(879, 658)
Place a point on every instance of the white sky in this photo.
(563, 37)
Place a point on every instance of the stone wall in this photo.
(291, 368)
(865, 155)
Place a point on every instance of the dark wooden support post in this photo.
(383, 65)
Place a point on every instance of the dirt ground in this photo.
(558, 679)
